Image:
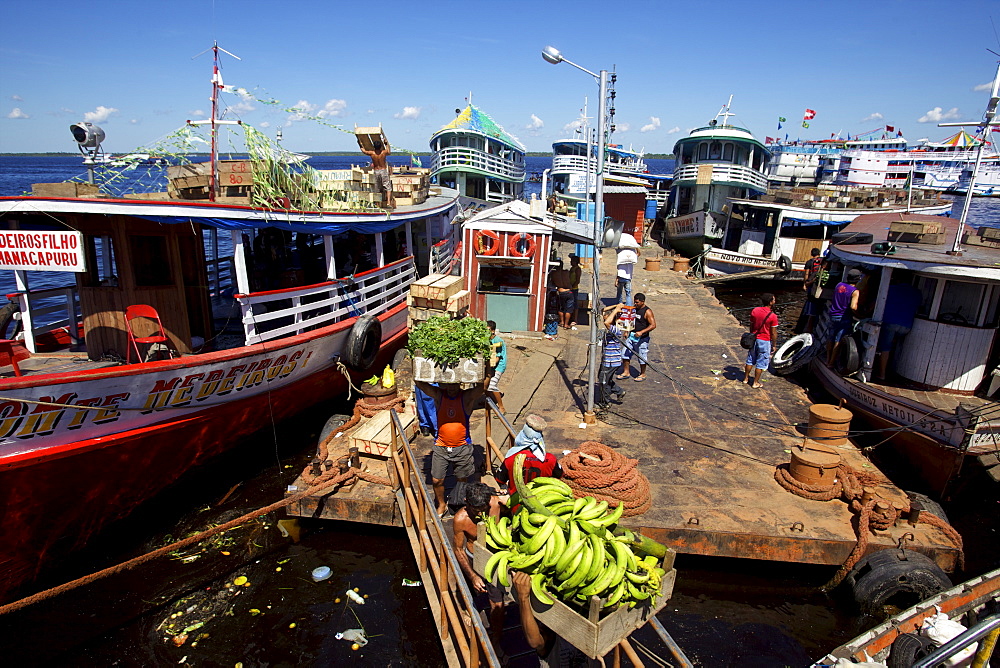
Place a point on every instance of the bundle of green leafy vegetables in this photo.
(445, 341)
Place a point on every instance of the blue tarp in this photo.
(378, 223)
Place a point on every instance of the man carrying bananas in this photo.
(538, 463)
(480, 501)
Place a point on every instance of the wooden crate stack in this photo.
(410, 185)
(192, 181)
(346, 189)
(436, 295)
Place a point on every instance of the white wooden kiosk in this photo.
(505, 263)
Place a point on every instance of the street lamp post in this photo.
(552, 55)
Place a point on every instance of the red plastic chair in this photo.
(148, 312)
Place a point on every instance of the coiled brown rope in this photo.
(849, 485)
(596, 470)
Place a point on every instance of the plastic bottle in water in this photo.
(353, 635)
(355, 596)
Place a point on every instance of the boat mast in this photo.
(215, 121)
(985, 128)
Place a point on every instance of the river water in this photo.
(724, 612)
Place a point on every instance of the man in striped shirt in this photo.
(612, 358)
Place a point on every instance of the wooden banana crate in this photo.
(438, 287)
(66, 189)
(453, 304)
(593, 635)
(465, 371)
(374, 436)
(368, 136)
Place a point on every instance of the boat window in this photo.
(960, 303)
(102, 265)
(150, 260)
(715, 151)
(703, 151)
(992, 307)
(515, 280)
(727, 152)
(927, 287)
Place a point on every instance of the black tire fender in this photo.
(794, 354)
(333, 423)
(927, 505)
(848, 355)
(785, 265)
(9, 325)
(901, 578)
(363, 343)
(908, 648)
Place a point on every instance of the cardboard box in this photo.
(593, 635)
(465, 371)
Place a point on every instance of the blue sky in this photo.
(130, 67)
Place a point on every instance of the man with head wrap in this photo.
(538, 462)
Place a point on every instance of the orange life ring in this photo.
(514, 242)
(481, 242)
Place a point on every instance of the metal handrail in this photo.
(960, 642)
(465, 157)
(415, 500)
(722, 171)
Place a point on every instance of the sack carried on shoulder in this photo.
(747, 340)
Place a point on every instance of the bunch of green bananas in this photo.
(569, 551)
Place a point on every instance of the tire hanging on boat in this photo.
(848, 355)
(794, 354)
(908, 648)
(900, 578)
(785, 265)
(9, 326)
(363, 343)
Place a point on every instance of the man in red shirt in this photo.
(764, 325)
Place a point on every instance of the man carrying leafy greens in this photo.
(453, 446)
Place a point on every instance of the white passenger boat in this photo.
(475, 156)
(714, 164)
(574, 168)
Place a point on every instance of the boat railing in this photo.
(930, 157)
(443, 258)
(463, 634)
(49, 310)
(278, 313)
(724, 171)
(463, 157)
(221, 275)
(579, 163)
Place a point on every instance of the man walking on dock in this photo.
(498, 364)
(764, 325)
(638, 340)
(612, 358)
(453, 446)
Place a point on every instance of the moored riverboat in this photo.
(168, 348)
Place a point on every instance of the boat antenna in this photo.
(215, 121)
(984, 128)
(725, 113)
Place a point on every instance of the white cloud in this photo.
(674, 130)
(980, 88)
(17, 113)
(573, 126)
(265, 124)
(623, 127)
(134, 121)
(99, 115)
(654, 124)
(409, 113)
(302, 110)
(936, 115)
(332, 108)
(535, 124)
(369, 111)
(197, 113)
(872, 117)
(17, 98)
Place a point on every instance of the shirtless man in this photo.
(566, 306)
(381, 171)
(479, 500)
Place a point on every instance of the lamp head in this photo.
(551, 55)
(87, 135)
